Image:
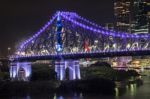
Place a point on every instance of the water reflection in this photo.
(69, 96)
(121, 93)
(116, 92)
(28, 97)
(133, 88)
(130, 91)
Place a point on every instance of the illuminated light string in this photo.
(117, 34)
(92, 23)
(41, 30)
(68, 16)
(100, 27)
(137, 36)
(82, 53)
(90, 28)
(68, 54)
(87, 27)
(38, 33)
(79, 17)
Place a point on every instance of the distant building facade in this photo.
(132, 16)
(109, 26)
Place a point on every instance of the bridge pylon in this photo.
(20, 71)
(73, 66)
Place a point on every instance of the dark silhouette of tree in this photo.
(42, 73)
(104, 64)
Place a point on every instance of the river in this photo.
(132, 91)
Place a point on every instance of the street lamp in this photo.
(8, 49)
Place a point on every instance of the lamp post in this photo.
(8, 49)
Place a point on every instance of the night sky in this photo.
(20, 19)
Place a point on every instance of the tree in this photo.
(42, 73)
(104, 64)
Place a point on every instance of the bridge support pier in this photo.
(72, 65)
(20, 71)
(60, 69)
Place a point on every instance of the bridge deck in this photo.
(83, 55)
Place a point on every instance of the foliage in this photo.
(102, 64)
(4, 76)
(100, 72)
(42, 73)
(4, 66)
(104, 71)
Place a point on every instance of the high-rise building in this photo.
(132, 15)
(122, 12)
(140, 16)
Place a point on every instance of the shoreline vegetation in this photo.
(99, 78)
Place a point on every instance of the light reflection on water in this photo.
(131, 91)
(128, 89)
(134, 91)
(70, 96)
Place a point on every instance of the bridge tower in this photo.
(59, 47)
(61, 65)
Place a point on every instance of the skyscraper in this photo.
(122, 12)
(140, 16)
(132, 15)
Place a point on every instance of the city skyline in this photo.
(22, 19)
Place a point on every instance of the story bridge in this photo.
(68, 37)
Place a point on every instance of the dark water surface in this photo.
(132, 91)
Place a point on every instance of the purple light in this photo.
(70, 16)
(93, 29)
(15, 67)
(39, 32)
(100, 27)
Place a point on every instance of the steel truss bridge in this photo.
(69, 36)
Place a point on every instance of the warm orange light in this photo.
(136, 62)
(114, 64)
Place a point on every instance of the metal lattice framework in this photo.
(80, 36)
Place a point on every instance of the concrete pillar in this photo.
(74, 69)
(13, 71)
(77, 69)
(60, 69)
(71, 67)
(20, 71)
